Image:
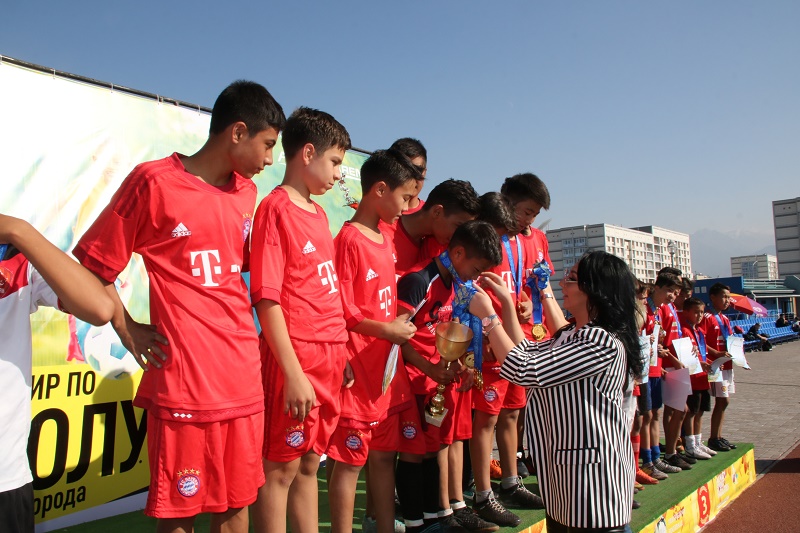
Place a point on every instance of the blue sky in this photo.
(683, 114)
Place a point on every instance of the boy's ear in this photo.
(381, 188)
(239, 132)
(437, 211)
(308, 152)
(457, 252)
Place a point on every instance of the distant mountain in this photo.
(712, 250)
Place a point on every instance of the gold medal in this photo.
(469, 360)
(538, 332)
(478, 380)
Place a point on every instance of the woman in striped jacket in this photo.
(575, 382)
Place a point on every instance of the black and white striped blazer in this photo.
(575, 422)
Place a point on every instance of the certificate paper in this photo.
(686, 354)
(736, 349)
(644, 342)
(654, 345)
(677, 386)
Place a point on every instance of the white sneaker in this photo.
(706, 449)
(697, 453)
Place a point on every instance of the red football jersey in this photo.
(424, 281)
(293, 264)
(369, 291)
(672, 327)
(193, 238)
(430, 248)
(406, 251)
(535, 250)
(714, 336)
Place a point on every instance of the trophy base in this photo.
(435, 420)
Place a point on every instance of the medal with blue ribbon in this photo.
(464, 291)
(537, 281)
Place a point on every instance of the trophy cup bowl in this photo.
(452, 341)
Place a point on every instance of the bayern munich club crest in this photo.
(295, 436)
(353, 441)
(490, 394)
(188, 482)
(409, 431)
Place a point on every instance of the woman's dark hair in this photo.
(610, 289)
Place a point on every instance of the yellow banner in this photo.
(87, 443)
(697, 509)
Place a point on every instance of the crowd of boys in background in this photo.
(334, 313)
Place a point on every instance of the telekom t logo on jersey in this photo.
(206, 269)
(385, 297)
(329, 277)
(508, 279)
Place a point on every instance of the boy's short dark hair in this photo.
(670, 270)
(412, 148)
(455, 196)
(389, 166)
(689, 303)
(526, 186)
(319, 128)
(248, 102)
(496, 211)
(717, 289)
(686, 284)
(479, 239)
(665, 279)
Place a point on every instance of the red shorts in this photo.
(400, 432)
(203, 468)
(350, 443)
(457, 424)
(498, 393)
(285, 438)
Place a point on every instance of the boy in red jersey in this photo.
(717, 328)
(665, 289)
(33, 273)
(700, 400)
(527, 195)
(190, 218)
(365, 267)
(499, 402)
(474, 247)
(295, 290)
(415, 151)
(449, 204)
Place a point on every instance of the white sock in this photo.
(690, 442)
(455, 506)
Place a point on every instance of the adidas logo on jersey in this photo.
(371, 274)
(181, 231)
(308, 248)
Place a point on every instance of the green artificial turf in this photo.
(655, 500)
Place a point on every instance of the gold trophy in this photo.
(452, 341)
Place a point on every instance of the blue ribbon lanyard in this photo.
(675, 318)
(516, 273)
(464, 291)
(722, 328)
(538, 280)
(701, 344)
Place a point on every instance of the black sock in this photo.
(408, 478)
(430, 486)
